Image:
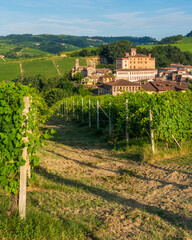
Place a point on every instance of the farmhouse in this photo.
(135, 67)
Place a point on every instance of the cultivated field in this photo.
(43, 67)
(9, 71)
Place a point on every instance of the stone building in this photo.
(89, 71)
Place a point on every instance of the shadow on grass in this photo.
(176, 168)
(174, 219)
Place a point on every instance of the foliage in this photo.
(12, 131)
(165, 55)
(114, 50)
(171, 112)
(82, 91)
(78, 76)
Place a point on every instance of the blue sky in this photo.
(155, 18)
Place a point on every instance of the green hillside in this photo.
(184, 47)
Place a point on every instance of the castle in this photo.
(135, 67)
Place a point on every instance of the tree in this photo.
(78, 76)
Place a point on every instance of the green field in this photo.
(66, 64)
(43, 67)
(185, 47)
(9, 71)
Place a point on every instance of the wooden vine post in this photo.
(127, 122)
(77, 111)
(110, 126)
(66, 109)
(82, 111)
(97, 114)
(73, 108)
(151, 130)
(23, 169)
(89, 113)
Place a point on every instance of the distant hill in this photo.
(189, 34)
(64, 43)
(171, 39)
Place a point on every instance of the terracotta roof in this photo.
(159, 86)
(167, 68)
(106, 76)
(137, 55)
(122, 82)
(133, 70)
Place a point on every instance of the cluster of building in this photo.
(135, 72)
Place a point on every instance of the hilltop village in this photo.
(134, 72)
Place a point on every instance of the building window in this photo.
(114, 89)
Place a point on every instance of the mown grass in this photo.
(9, 71)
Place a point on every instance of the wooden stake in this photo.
(110, 127)
(23, 170)
(73, 108)
(89, 113)
(82, 111)
(127, 122)
(97, 114)
(176, 141)
(66, 109)
(77, 111)
(151, 131)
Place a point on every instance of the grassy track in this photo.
(83, 190)
(9, 71)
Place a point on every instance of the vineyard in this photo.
(127, 116)
(81, 189)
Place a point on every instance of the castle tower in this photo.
(77, 63)
(133, 51)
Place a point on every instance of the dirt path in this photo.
(57, 68)
(135, 200)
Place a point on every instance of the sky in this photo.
(154, 18)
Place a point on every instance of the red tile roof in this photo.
(122, 82)
(161, 86)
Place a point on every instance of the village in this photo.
(134, 72)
